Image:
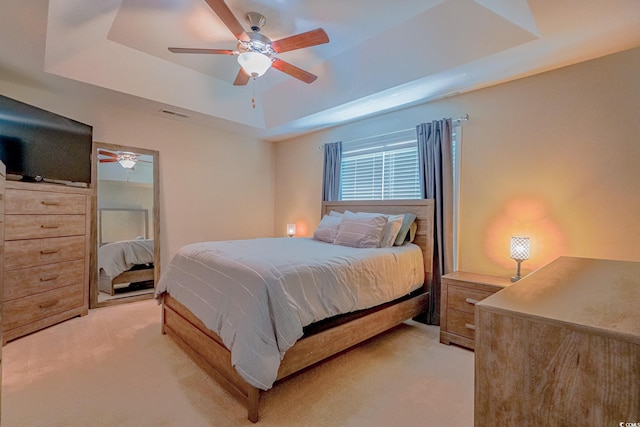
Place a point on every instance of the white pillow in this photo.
(360, 230)
(327, 230)
(390, 232)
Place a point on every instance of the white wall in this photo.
(553, 156)
(213, 184)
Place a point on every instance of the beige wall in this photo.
(126, 195)
(554, 156)
(213, 184)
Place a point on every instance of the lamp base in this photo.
(517, 276)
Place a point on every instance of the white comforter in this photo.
(118, 257)
(258, 294)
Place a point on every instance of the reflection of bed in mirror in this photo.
(125, 253)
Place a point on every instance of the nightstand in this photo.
(459, 294)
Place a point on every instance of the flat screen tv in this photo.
(37, 145)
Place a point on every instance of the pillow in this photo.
(408, 219)
(360, 230)
(327, 230)
(390, 232)
(412, 232)
(334, 213)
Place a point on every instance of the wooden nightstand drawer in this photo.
(41, 202)
(41, 226)
(465, 299)
(461, 323)
(460, 293)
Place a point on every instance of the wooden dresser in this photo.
(459, 295)
(47, 242)
(561, 347)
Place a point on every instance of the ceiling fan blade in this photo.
(242, 78)
(227, 17)
(107, 153)
(195, 50)
(299, 41)
(294, 71)
(108, 160)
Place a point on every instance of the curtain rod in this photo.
(458, 120)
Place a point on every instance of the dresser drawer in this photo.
(30, 253)
(29, 281)
(21, 311)
(465, 299)
(40, 202)
(40, 226)
(461, 323)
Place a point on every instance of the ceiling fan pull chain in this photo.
(253, 93)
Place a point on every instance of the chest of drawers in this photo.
(46, 275)
(460, 293)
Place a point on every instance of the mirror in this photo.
(125, 231)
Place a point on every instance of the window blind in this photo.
(380, 167)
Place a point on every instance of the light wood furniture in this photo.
(46, 256)
(206, 348)
(459, 295)
(561, 347)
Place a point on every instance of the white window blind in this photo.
(380, 167)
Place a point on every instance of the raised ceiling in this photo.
(382, 54)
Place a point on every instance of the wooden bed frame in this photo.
(207, 350)
(130, 276)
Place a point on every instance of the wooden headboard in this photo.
(423, 209)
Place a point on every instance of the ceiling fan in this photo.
(256, 52)
(126, 159)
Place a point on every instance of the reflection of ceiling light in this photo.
(127, 161)
(254, 63)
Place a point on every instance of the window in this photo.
(380, 167)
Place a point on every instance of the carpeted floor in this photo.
(114, 368)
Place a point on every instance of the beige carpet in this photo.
(114, 368)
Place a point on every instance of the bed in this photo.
(314, 337)
(125, 254)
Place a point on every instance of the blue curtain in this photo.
(331, 172)
(436, 182)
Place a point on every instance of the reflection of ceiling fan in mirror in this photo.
(126, 159)
(257, 53)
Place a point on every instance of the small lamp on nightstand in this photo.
(291, 230)
(519, 252)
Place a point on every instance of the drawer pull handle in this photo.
(49, 226)
(472, 301)
(48, 304)
(47, 203)
(48, 279)
(470, 326)
(48, 252)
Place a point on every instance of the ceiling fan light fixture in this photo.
(127, 161)
(254, 64)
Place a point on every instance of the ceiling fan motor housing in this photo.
(258, 43)
(255, 21)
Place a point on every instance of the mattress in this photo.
(117, 257)
(258, 294)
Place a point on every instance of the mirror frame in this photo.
(93, 274)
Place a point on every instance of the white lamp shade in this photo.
(127, 163)
(520, 248)
(254, 63)
(291, 230)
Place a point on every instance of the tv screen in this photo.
(39, 145)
